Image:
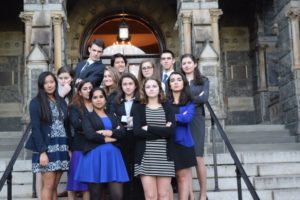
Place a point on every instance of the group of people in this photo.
(129, 137)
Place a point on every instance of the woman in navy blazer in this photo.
(199, 86)
(179, 96)
(126, 102)
(48, 140)
(102, 162)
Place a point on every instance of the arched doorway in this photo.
(144, 34)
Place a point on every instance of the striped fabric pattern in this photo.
(155, 162)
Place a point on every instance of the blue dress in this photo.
(103, 164)
(57, 148)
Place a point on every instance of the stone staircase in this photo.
(270, 156)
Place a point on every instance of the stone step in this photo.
(10, 134)
(277, 182)
(23, 191)
(266, 147)
(257, 157)
(255, 128)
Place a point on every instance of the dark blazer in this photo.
(39, 138)
(153, 133)
(120, 108)
(93, 73)
(76, 117)
(92, 123)
(111, 102)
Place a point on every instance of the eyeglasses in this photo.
(146, 67)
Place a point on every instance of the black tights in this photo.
(97, 191)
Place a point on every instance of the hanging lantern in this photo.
(123, 31)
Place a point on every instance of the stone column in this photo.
(27, 19)
(186, 18)
(215, 15)
(261, 50)
(293, 16)
(57, 23)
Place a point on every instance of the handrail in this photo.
(239, 168)
(7, 175)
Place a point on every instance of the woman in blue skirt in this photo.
(80, 106)
(102, 163)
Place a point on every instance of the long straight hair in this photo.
(77, 98)
(198, 78)
(185, 95)
(46, 114)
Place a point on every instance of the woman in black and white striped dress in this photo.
(153, 126)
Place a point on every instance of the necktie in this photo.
(85, 66)
(165, 78)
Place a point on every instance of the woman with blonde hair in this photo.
(110, 83)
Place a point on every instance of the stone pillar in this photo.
(57, 23)
(186, 18)
(293, 16)
(215, 15)
(261, 51)
(27, 19)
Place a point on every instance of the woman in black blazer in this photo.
(126, 102)
(48, 140)
(80, 106)
(102, 162)
(154, 126)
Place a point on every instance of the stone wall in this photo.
(287, 103)
(238, 75)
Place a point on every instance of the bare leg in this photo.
(191, 190)
(150, 187)
(183, 180)
(86, 195)
(38, 184)
(171, 193)
(163, 187)
(48, 185)
(71, 195)
(201, 174)
(58, 175)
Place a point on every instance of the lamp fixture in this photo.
(123, 31)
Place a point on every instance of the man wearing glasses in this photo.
(91, 69)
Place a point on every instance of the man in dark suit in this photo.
(92, 69)
(167, 61)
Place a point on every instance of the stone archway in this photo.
(85, 13)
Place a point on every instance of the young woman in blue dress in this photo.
(179, 96)
(102, 163)
(80, 106)
(48, 140)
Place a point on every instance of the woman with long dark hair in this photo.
(179, 97)
(199, 86)
(48, 140)
(80, 106)
(102, 162)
